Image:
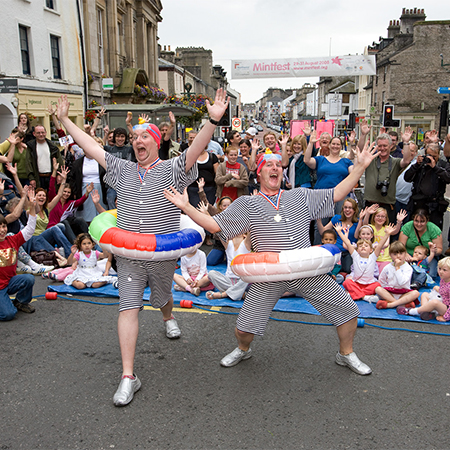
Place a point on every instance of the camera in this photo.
(426, 160)
(383, 187)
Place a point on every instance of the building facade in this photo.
(41, 50)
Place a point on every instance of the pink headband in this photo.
(266, 157)
(153, 130)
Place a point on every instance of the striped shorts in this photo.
(330, 300)
(136, 275)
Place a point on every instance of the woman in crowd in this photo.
(349, 220)
(24, 125)
(207, 168)
(299, 173)
(84, 172)
(420, 231)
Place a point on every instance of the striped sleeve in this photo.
(181, 179)
(114, 167)
(320, 202)
(235, 220)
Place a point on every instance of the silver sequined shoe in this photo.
(353, 363)
(126, 390)
(235, 357)
(172, 329)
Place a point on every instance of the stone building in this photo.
(121, 43)
(40, 49)
(410, 69)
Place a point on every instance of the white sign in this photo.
(304, 67)
(108, 84)
(236, 123)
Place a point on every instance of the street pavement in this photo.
(61, 365)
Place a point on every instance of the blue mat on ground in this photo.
(287, 304)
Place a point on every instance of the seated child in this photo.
(366, 232)
(87, 273)
(230, 285)
(10, 283)
(438, 300)
(329, 237)
(396, 279)
(363, 285)
(420, 263)
(193, 273)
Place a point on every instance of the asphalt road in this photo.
(61, 365)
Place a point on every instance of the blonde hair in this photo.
(300, 139)
(363, 241)
(444, 262)
(371, 230)
(386, 221)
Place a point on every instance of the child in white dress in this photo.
(86, 271)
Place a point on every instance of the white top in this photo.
(43, 158)
(364, 268)
(398, 279)
(90, 171)
(232, 253)
(195, 266)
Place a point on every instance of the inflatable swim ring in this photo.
(287, 265)
(155, 247)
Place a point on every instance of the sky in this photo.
(249, 29)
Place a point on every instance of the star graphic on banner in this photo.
(336, 60)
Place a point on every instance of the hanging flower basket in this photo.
(149, 93)
(198, 102)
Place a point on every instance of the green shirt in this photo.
(431, 233)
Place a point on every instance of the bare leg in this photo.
(128, 329)
(167, 310)
(244, 339)
(78, 284)
(404, 299)
(98, 284)
(346, 333)
(180, 281)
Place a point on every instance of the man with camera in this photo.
(382, 173)
(430, 176)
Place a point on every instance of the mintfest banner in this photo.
(304, 67)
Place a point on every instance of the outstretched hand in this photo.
(179, 200)
(367, 155)
(62, 109)
(217, 110)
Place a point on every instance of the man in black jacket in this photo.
(40, 154)
(430, 176)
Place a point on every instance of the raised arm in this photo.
(307, 159)
(182, 201)
(64, 172)
(447, 146)
(388, 231)
(407, 158)
(215, 111)
(284, 155)
(364, 158)
(364, 129)
(84, 140)
(344, 237)
(97, 120)
(252, 161)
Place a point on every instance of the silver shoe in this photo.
(172, 329)
(353, 363)
(126, 390)
(235, 357)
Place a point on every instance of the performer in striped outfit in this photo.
(279, 220)
(141, 207)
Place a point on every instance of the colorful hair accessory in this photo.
(153, 130)
(266, 157)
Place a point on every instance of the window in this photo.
(56, 62)
(24, 50)
(50, 4)
(101, 55)
(384, 74)
(375, 99)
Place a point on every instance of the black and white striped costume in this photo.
(283, 224)
(141, 207)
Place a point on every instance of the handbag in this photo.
(44, 257)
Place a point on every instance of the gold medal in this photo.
(277, 218)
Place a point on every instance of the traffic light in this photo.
(351, 121)
(225, 121)
(388, 117)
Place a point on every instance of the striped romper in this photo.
(142, 208)
(276, 223)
